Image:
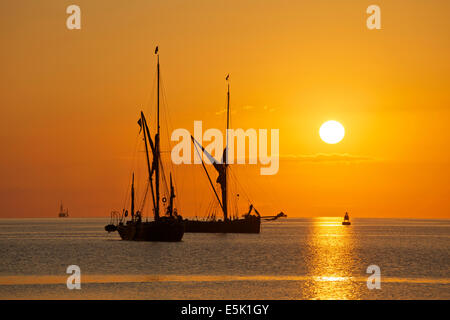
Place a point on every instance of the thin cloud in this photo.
(218, 113)
(246, 108)
(269, 109)
(265, 108)
(329, 157)
(221, 112)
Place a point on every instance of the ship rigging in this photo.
(167, 226)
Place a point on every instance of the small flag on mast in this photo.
(228, 77)
(156, 50)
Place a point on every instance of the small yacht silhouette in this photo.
(346, 221)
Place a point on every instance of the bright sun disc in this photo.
(332, 132)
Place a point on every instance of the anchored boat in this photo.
(166, 227)
(250, 222)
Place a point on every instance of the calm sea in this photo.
(291, 259)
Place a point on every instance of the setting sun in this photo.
(332, 132)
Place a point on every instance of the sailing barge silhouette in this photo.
(250, 222)
(170, 226)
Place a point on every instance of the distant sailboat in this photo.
(63, 213)
(346, 221)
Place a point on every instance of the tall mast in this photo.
(132, 197)
(157, 143)
(225, 164)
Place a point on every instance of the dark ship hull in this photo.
(169, 230)
(247, 225)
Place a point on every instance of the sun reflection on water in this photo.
(332, 261)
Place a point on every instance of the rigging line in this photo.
(214, 209)
(164, 113)
(210, 211)
(168, 122)
(262, 191)
(234, 199)
(236, 181)
(144, 198)
(212, 205)
(241, 186)
(164, 180)
(206, 207)
(210, 208)
(213, 212)
(245, 193)
(150, 103)
(125, 199)
(166, 110)
(209, 178)
(149, 95)
(192, 176)
(238, 197)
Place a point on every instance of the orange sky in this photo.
(70, 101)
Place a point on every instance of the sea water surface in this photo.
(315, 258)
